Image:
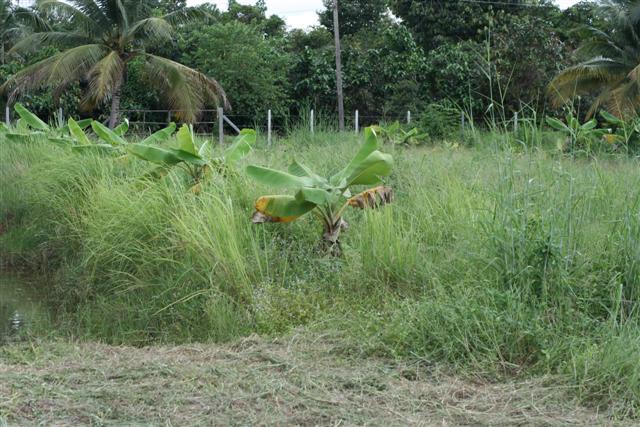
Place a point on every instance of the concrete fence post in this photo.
(515, 122)
(462, 120)
(269, 128)
(220, 125)
(7, 115)
(408, 117)
(357, 126)
(311, 122)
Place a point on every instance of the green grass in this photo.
(494, 259)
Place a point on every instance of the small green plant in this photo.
(395, 134)
(578, 136)
(327, 198)
(625, 133)
(187, 155)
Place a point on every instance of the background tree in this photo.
(104, 37)
(354, 15)
(610, 65)
(253, 69)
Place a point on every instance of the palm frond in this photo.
(186, 15)
(36, 41)
(56, 71)
(151, 29)
(65, 10)
(187, 91)
(105, 77)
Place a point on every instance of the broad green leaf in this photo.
(185, 140)
(122, 128)
(591, 124)
(161, 135)
(573, 122)
(22, 126)
(369, 146)
(298, 169)
(153, 154)
(203, 149)
(187, 157)
(369, 171)
(106, 134)
(30, 119)
(277, 178)
(3, 128)
(76, 131)
(84, 123)
(610, 118)
(282, 208)
(556, 124)
(316, 195)
(241, 146)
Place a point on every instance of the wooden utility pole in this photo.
(336, 34)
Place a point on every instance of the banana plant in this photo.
(579, 136)
(626, 132)
(327, 198)
(190, 157)
(30, 125)
(395, 134)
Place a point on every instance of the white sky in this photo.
(302, 13)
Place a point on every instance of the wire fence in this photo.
(210, 121)
(219, 123)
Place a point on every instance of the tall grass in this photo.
(500, 258)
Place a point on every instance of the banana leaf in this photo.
(30, 119)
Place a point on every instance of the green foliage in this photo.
(328, 197)
(354, 15)
(252, 69)
(579, 136)
(188, 155)
(440, 120)
(395, 134)
(608, 68)
(626, 132)
(98, 41)
(491, 262)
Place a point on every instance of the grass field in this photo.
(497, 261)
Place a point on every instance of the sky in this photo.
(302, 13)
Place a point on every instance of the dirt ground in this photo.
(301, 380)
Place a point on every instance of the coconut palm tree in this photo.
(98, 38)
(611, 63)
(15, 23)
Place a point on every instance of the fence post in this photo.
(7, 115)
(220, 125)
(408, 117)
(462, 126)
(60, 116)
(515, 122)
(168, 116)
(311, 121)
(269, 128)
(357, 122)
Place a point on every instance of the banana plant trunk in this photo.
(331, 236)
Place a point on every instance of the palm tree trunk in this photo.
(115, 104)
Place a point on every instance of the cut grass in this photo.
(300, 379)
